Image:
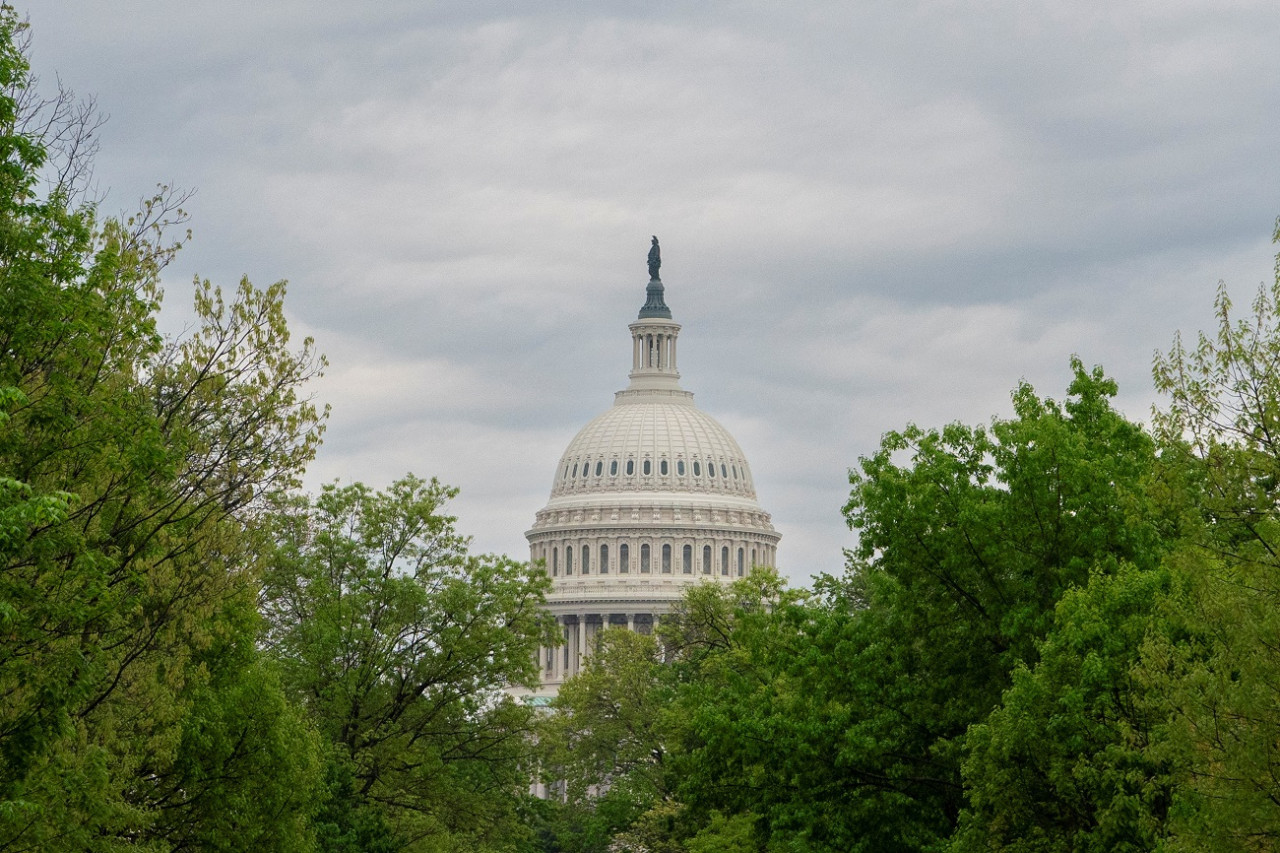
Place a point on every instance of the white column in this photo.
(631, 622)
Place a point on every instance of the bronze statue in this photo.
(655, 259)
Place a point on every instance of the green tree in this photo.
(1071, 760)
(131, 470)
(603, 743)
(606, 726)
(1220, 677)
(398, 643)
(962, 557)
(839, 719)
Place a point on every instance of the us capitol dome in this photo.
(650, 497)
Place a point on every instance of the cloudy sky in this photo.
(871, 213)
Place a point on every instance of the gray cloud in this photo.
(870, 213)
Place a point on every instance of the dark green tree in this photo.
(839, 720)
(1072, 760)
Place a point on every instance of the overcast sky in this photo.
(871, 213)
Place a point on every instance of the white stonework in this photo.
(651, 496)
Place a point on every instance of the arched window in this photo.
(753, 558)
(586, 470)
(735, 472)
(741, 559)
(613, 468)
(680, 467)
(666, 559)
(688, 559)
(604, 559)
(662, 467)
(586, 558)
(724, 560)
(646, 467)
(631, 467)
(575, 469)
(624, 559)
(555, 562)
(711, 469)
(599, 468)
(644, 559)
(697, 468)
(706, 559)
(568, 561)
(724, 472)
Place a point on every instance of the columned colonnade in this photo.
(580, 631)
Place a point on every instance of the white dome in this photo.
(653, 443)
(650, 498)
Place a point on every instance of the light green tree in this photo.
(131, 471)
(399, 643)
(1220, 674)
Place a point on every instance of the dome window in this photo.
(568, 561)
(604, 559)
(680, 467)
(646, 467)
(631, 467)
(711, 469)
(666, 559)
(599, 468)
(741, 560)
(555, 562)
(586, 470)
(697, 469)
(575, 469)
(735, 472)
(613, 468)
(706, 559)
(644, 559)
(624, 559)
(586, 558)
(688, 559)
(724, 560)
(662, 467)
(724, 472)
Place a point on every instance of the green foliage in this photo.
(135, 711)
(345, 823)
(840, 720)
(606, 729)
(1219, 677)
(723, 834)
(398, 644)
(1065, 763)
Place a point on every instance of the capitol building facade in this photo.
(650, 497)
